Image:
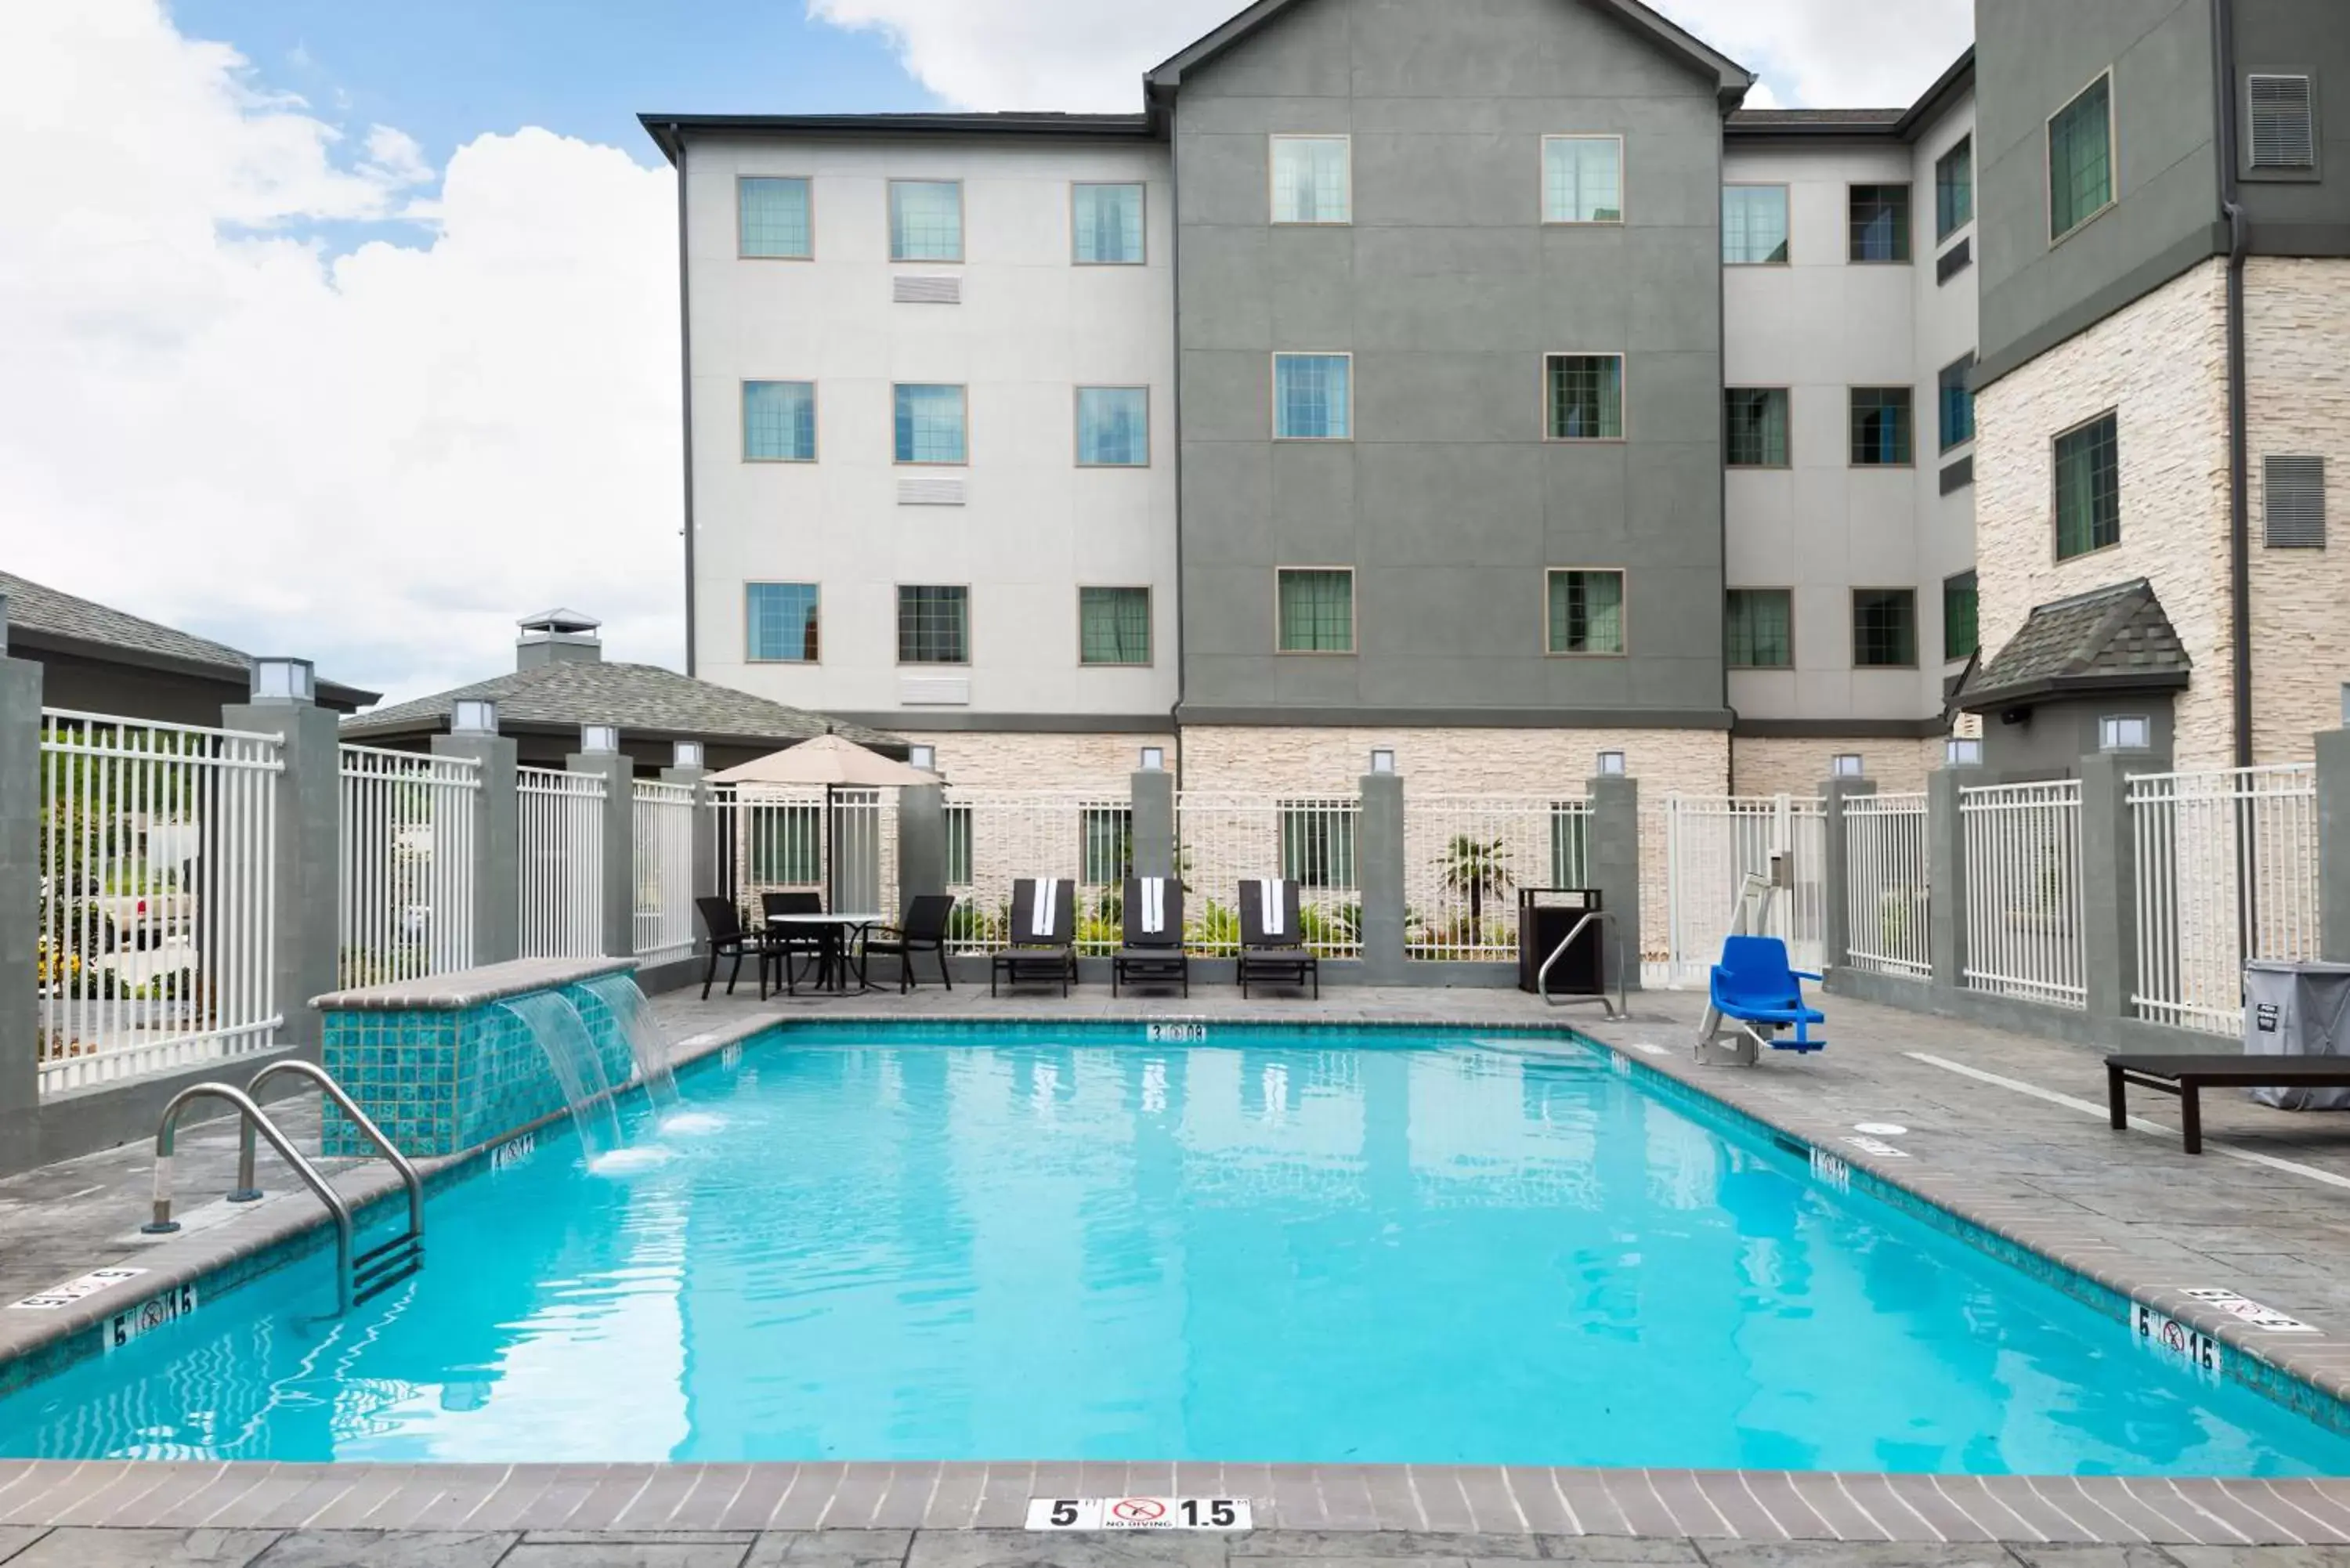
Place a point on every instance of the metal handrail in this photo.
(164, 1224)
(1608, 928)
(246, 1192)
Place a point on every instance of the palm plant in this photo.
(1473, 868)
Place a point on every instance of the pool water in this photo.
(879, 1244)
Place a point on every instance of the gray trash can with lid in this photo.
(2297, 1010)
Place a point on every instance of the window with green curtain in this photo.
(1317, 847)
(1570, 845)
(771, 216)
(1106, 224)
(929, 425)
(1880, 427)
(1106, 845)
(2088, 488)
(787, 845)
(1586, 611)
(1954, 189)
(1312, 180)
(1755, 427)
(1958, 404)
(1313, 397)
(2080, 159)
(1317, 610)
(1585, 397)
(1754, 225)
(779, 422)
(1583, 180)
(958, 846)
(933, 625)
(1113, 626)
(1880, 223)
(1885, 629)
(781, 620)
(925, 220)
(1113, 427)
(1959, 638)
(1759, 628)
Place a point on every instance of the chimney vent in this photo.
(557, 637)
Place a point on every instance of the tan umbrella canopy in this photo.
(826, 760)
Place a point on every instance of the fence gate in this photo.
(1713, 843)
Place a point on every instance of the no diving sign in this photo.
(1139, 1514)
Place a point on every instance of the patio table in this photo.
(838, 933)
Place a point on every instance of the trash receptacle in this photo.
(2297, 1010)
(1545, 916)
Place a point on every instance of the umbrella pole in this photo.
(831, 860)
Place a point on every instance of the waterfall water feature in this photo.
(571, 1056)
(649, 1047)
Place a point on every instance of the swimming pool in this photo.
(893, 1242)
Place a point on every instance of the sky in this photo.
(350, 330)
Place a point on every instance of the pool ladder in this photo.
(357, 1277)
(1605, 920)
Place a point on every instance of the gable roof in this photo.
(2114, 639)
(1731, 79)
(1873, 124)
(49, 620)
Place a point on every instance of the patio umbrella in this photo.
(832, 763)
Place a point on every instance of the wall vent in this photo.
(932, 491)
(2295, 491)
(906, 290)
(1954, 261)
(934, 691)
(2284, 122)
(1960, 475)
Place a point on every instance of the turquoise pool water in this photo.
(1292, 1246)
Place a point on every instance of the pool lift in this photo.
(1750, 916)
(358, 1277)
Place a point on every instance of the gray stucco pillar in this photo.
(1836, 900)
(497, 844)
(921, 842)
(2334, 846)
(308, 915)
(2109, 882)
(1151, 794)
(20, 890)
(618, 771)
(705, 835)
(1945, 866)
(1615, 866)
(1379, 879)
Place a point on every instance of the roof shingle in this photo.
(2116, 638)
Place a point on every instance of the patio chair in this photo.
(1272, 947)
(722, 923)
(1150, 951)
(923, 930)
(1753, 988)
(1044, 935)
(814, 942)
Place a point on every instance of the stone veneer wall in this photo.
(1777, 767)
(1528, 762)
(2162, 364)
(1040, 761)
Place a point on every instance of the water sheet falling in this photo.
(571, 1056)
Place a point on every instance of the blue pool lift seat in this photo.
(1753, 987)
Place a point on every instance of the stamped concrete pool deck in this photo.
(2006, 1131)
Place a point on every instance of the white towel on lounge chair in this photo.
(1040, 918)
(1270, 891)
(1154, 905)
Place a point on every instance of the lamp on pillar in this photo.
(473, 716)
(1611, 764)
(1383, 759)
(923, 755)
(685, 755)
(1154, 759)
(1847, 765)
(284, 680)
(599, 740)
(1961, 751)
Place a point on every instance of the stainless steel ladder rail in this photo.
(378, 1268)
(164, 1224)
(1608, 929)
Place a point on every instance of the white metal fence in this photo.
(1711, 843)
(405, 885)
(562, 853)
(1465, 857)
(773, 839)
(1223, 839)
(2227, 873)
(663, 817)
(1888, 916)
(996, 837)
(158, 907)
(2023, 845)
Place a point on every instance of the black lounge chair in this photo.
(1152, 951)
(809, 942)
(1044, 936)
(722, 922)
(923, 930)
(1273, 947)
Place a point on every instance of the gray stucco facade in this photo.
(1448, 504)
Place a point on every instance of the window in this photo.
(1113, 427)
(1313, 397)
(786, 844)
(2125, 733)
(958, 845)
(1758, 628)
(1885, 629)
(771, 218)
(1585, 396)
(779, 422)
(1570, 845)
(1316, 609)
(2081, 159)
(1317, 846)
(1312, 180)
(933, 625)
(1113, 626)
(929, 425)
(1958, 404)
(1754, 421)
(1960, 636)
(1583, 179)
(1586, 614)
(1754, 225)
(925, 220)
(1105, 844)
(780, 622)
(1106, 224)
(2292, 492)
(1954, 189)
(2283, 114)
(2088, 488)
(1880, 427)
(1880, 223)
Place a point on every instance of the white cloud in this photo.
(1091, 54)
(375, 457)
